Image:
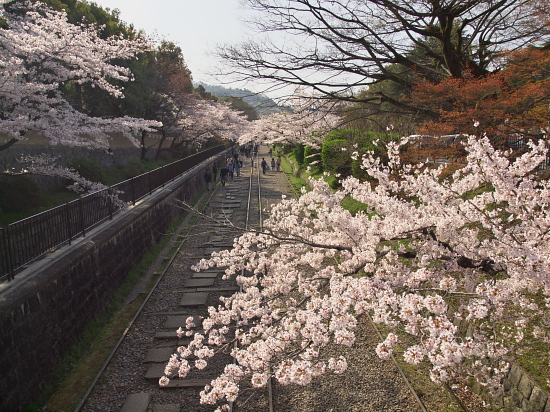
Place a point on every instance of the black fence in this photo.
(29, 239)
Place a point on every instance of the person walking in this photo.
(279, 163)
(238, 168)
(224, 172)
(231, 167)
(272, 163)
(264, 165)
(207, 178)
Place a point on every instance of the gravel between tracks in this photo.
(370, 384)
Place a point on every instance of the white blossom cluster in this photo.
(41, 51)
(195, 120)
(427, 256)
(307, 121)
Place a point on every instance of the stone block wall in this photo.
(43, 316)
(522, 394)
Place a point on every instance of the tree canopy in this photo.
(340, 47)
(238, 104)
(40, 51)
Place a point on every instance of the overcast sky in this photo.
(197, 26)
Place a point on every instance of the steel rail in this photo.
(140, 309)
(247, 224)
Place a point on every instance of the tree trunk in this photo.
(161, 142)
(143, 145)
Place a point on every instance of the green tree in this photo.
(239, 105)
(201, 91)
(339, 47)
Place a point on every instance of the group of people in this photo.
(233, 167)
(228, 171)
(275, 165)
(250, 150)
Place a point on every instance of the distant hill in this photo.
(263, 104)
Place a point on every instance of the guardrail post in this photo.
(5, 255)
(110, 202)
(81, 211)
(9, 253)
(133, 191)
(68, 220)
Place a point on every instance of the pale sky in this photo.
(197, 26)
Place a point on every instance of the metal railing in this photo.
(26, 240)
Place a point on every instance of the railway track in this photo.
(129, 379)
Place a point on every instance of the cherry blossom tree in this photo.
(39, 52)
(307, 121)
(219, 119)
(196, 121)
(456, 268)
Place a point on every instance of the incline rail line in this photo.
(139, 311)
(126, 375)
(186, 246)
(29, 239)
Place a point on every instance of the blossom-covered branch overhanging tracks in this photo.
(43, 56)
(432, 253)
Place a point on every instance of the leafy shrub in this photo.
(88, 169)
(336, 153)
(134, 168)
(18, 193)
(298, 153)
(333, 181)
(287, 148)
(336, 156)
(312, 155)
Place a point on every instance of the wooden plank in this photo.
(198, 283)
(166, 335)
(194, 299)
(136, 402)
(228, 289)
(204, 275)
(160, 354)
(175, 322)
(155, 371)
(187, 383)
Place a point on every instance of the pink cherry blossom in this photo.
(40, 50)
(432, 254)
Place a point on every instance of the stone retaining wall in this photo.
(521, 393)
(44, 315)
